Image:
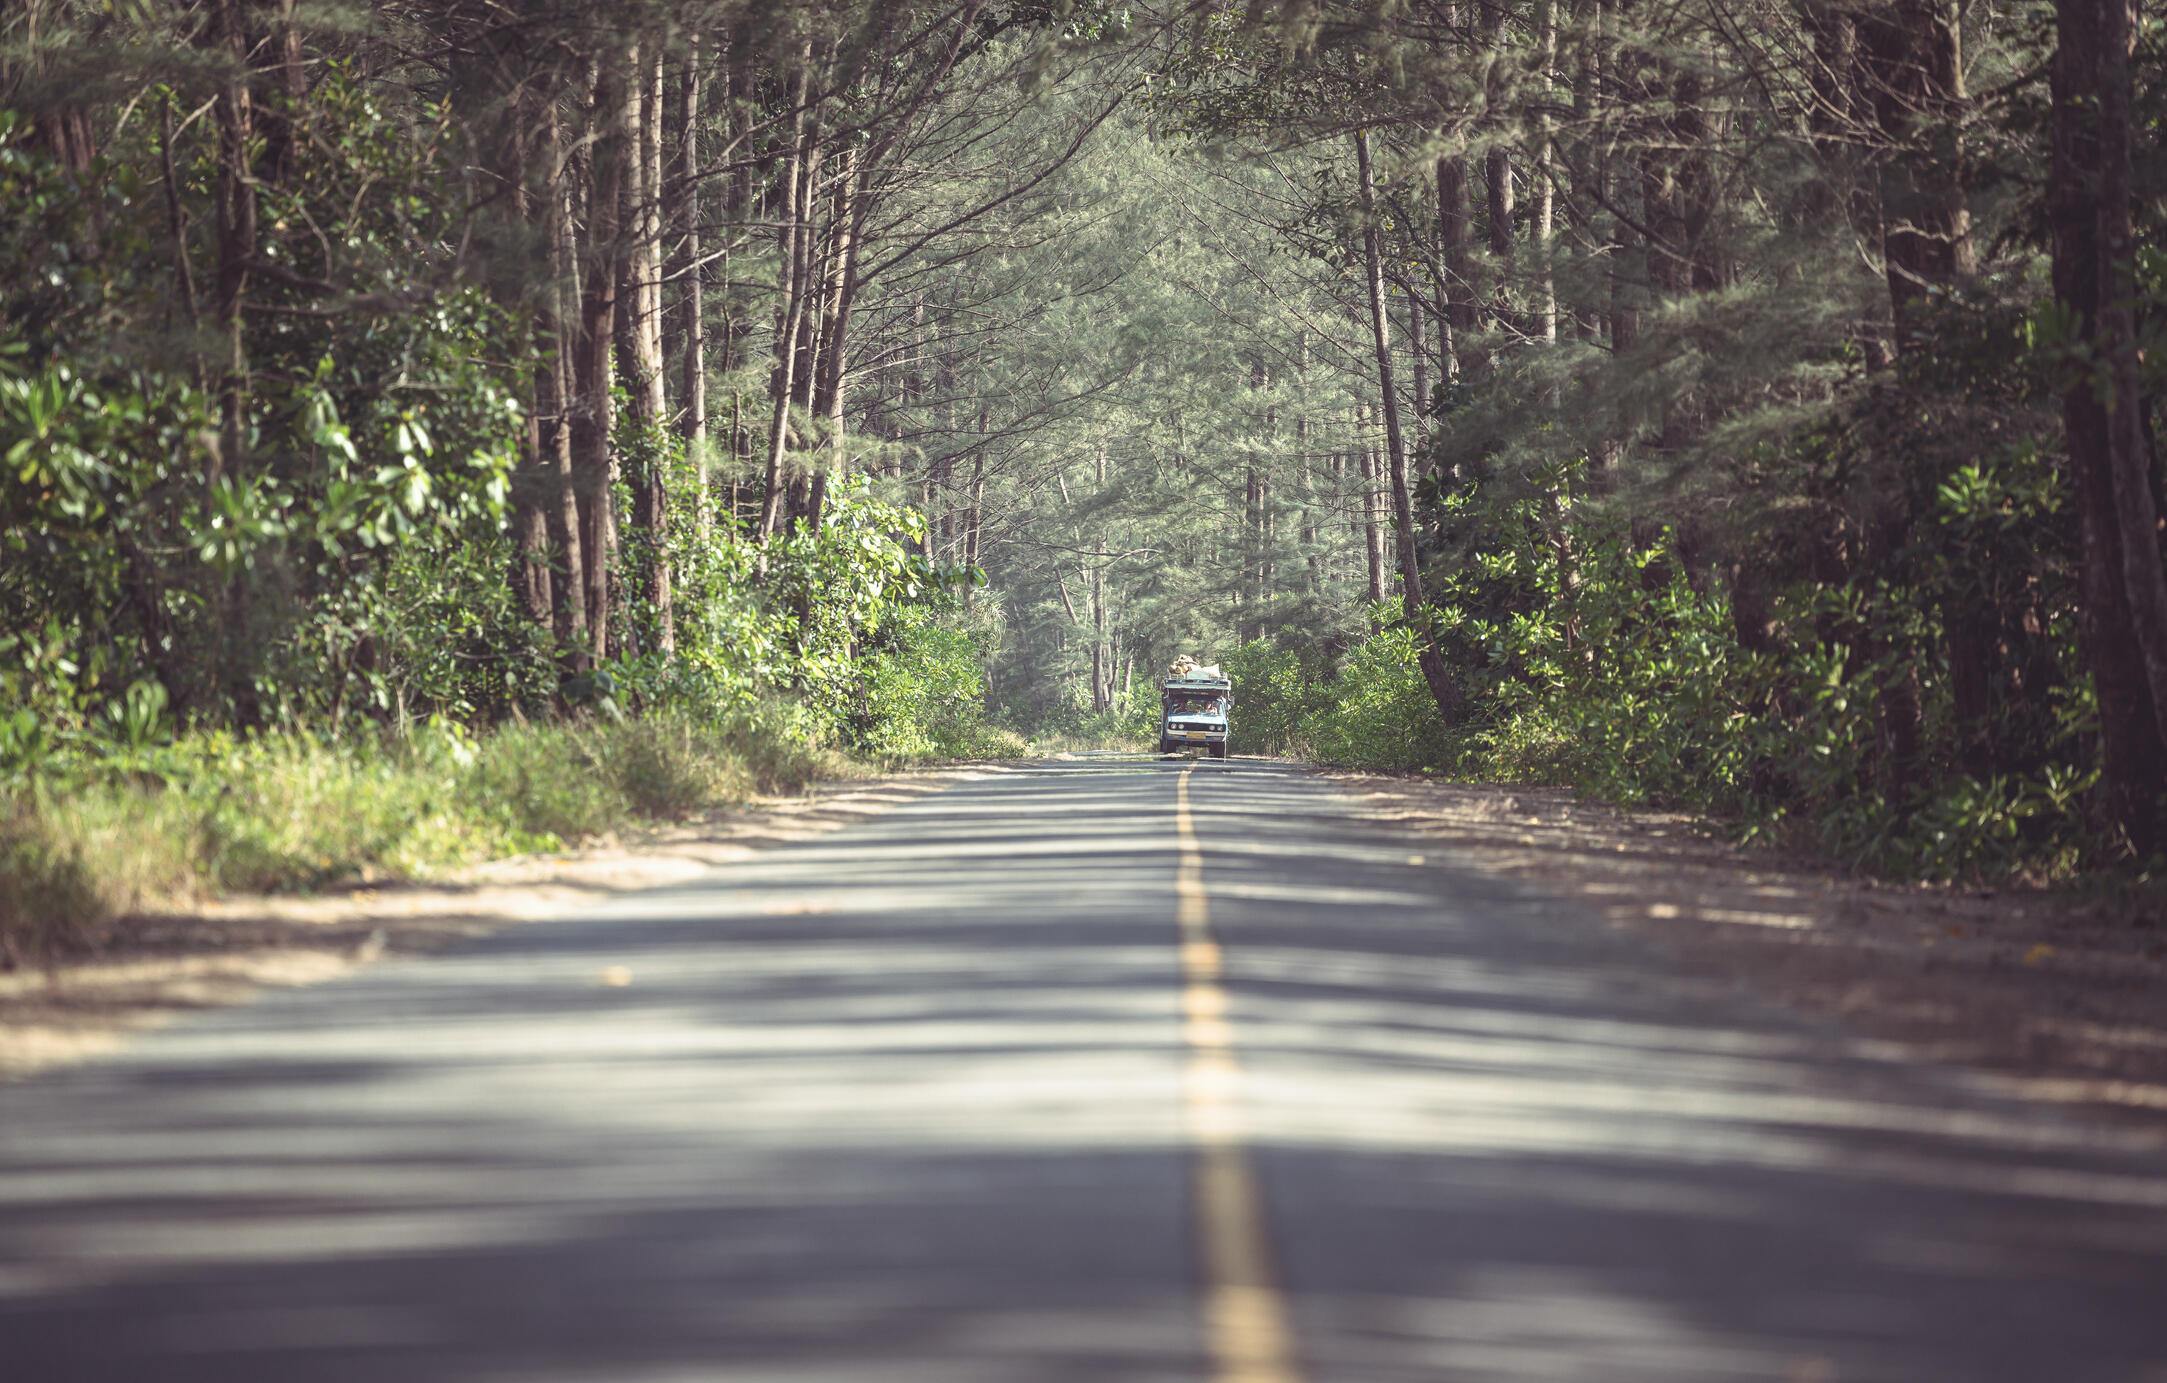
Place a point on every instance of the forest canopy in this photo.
(1750, 407)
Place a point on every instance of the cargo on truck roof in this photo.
(1188, 670)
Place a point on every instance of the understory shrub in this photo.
(1374, 710)
(543, 779)
(923, 693)
(1841, 732)
(1277, 687)
(1377, 710)
(50, 897)
(1129, 724)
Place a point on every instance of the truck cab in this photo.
(1193, 711)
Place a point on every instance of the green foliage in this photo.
(1372, 710)
(1833, 602)
(1278, 689)
(924, 695)
(670, 765)
(255, 624)
(1131, 722)
(1379, 710)
(374, 457)
(1795, 741)
(546, 783)
(49, 895)
(295, 811)
(1845, 724)
(289, 811)
(808, 613)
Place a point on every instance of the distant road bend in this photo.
(1116, 1069)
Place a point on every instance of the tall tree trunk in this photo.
(1541, 217)
(686, 269)
(1583, 173)
(790, 304)
(236, 252)
(1248, 591)
(639, 333)
(65, 129)
(1372, 507)
(1306, 533)
(177, 220)
(1911, 57)
(815, 254)
(1675, 197)
(1099, 669)
(1420, 352)
(1251, 592)
(1625, 257)
(556, 345)
(1456, 327)
(1434, 671)
(1266, 525)
(842, 294)
(1542, 211)
(2124, 587)
(1911, 54)
(236, 234)
(1839, 119)
(1497, 167)
(513, 154)
(594, 414)
(737, 198)
(289, 82)
(974, 531)
(819, 254)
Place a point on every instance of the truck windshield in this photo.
(1196, 705)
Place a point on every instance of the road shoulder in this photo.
(223, 951)
(2052, 996)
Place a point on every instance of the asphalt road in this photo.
(1114, 1070)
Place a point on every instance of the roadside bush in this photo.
(50, 899)
(1277, 689)
(1131, 723)
(670, 765)
(294, 811)
(924, 693)
(771, 740)
(666, 768)
(1377, 711)
(71, 861)
(545, 781)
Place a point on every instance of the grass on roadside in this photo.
(979, 742)
(1110, 743)
(293, 812)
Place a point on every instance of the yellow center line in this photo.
(1246, 1321)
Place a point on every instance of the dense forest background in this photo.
(504, 412)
